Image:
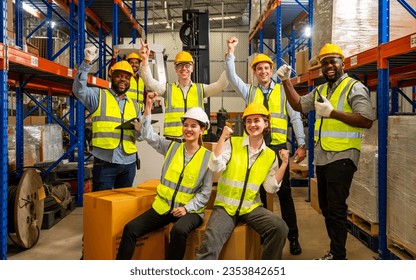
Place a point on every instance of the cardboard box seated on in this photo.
(106, 213)
(243, 244)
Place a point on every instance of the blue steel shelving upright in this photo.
(3, 127)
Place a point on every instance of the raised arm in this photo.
(146, 73)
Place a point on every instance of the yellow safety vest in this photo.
(136, 91)
(176, 105)
(107, 117)
(238, 186)
(180, 183)
(277, 109)
(335, 135)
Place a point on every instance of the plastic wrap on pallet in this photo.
(29, 157)
(401, 181)
(256, 12)
(353, 25)
(363, 199)
(46, 138)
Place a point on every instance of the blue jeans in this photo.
(108, 176)
(334, 182)
(272, 229)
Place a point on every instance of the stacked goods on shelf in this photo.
(256, 12)
(302, 62)
(401, 184)
(353, 25)
(363, 199)
(106, 213)
(46, 138)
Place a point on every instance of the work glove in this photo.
(284, 72)
(90, 53)
(324, 108)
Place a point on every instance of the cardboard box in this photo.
(106, 213)
(302, 62)
(314, 195)
(150, 184)
(243, 244)
(31, 120)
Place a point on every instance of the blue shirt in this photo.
(244, 90)
(89, 96)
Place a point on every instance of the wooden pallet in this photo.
(368, 227)
(51, 218)
(400, 249)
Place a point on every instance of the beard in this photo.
(333, 78)
(120, 91)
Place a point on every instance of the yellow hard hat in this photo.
(122, 65)
(330, 50)
(256, 109)
(261, 58)
(133, 55)
(183, 56)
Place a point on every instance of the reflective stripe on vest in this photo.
(277, 108)
(176, 105)
(179, 183)
(336, 135)
(105, 119)
(238, 186)
(136, 91)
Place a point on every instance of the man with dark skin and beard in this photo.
(343, 109)
(114, 150)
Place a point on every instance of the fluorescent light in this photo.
(308, 31)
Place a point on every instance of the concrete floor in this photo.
(63, 240)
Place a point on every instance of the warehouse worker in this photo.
(246, 163)
(343, 108)
(271, 94)
(136, 90)
(114, 150)
(184, 189)
(181, 95)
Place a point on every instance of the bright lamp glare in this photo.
(308, 31)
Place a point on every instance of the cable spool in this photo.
(26, 202)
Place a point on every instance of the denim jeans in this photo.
(108, 176)
(287, 206)
(272, 229)
(150, 221)
(334, 182)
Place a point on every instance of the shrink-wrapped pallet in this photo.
(401, 181)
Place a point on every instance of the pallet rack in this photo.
(388, 66)
(25, 72)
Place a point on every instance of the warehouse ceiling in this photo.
(167, 15)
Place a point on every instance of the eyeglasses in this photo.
(183, 65)
(331, 61)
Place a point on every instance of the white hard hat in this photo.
(198, 114)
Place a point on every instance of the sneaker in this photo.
(328, 256)
(295, 248)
